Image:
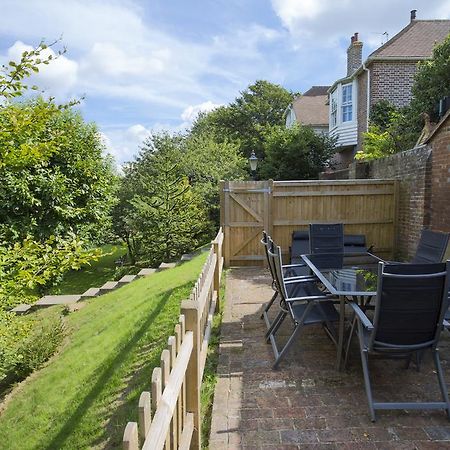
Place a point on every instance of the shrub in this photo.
(39, 346)
(26, 344)
(12, 332)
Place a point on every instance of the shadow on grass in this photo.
(76, 417)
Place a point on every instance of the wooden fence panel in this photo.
(364, 207)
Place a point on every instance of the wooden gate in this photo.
(244, 209)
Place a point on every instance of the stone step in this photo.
(164, 266)
(21, 309)
(109, 286)
(91, 292)
(186, 257)
(127, 279)
(49, 300)
(146, 272)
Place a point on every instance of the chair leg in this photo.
(294, 335)
(269, 304)
(365, 367)
(273, 328)
(442, 384)
(349, 341)
(283, 352)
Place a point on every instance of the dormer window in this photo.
(347, 106)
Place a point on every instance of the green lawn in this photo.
(86, 394)
(93, 275)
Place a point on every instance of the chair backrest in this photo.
(274, 252)
(431, 248)
(299, 246)
(355, 243)
(265, 241)
(326, 238)
(410, 306)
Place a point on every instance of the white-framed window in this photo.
(333, 104)
(347, 105)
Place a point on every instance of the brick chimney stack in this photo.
(354, 55)
(413, 14)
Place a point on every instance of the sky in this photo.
(146, 66)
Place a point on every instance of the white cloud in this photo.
(59, 77)
(109, 59)
(321, 24)
(192, 111)
(138, 133)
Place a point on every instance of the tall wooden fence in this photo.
(175, 386)
(247, 207)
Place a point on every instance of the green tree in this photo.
(432, 81)
(295, 153)
(28, 267)
(161, 215)
(169, 217)
(205, 162)
(245, 120)
(391, 130)
(54, 178)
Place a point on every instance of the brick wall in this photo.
(392, 81)
(413, 169)
(362, 108)
(440, 179)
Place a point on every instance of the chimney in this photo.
(413, 14)
(354, 55)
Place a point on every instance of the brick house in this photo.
(387, 74)
(311, 109)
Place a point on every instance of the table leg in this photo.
(340, 345)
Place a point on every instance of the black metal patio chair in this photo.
(409, 313)
(431, 248)
(288, 270)
(307, 306)
(326, 238)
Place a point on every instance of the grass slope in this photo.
(93, 275)
(86, 394)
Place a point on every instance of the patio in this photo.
(306, 403)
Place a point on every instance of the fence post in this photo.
(216, 283)
(225, 219)
(145, 414)
(130, 437)
(191, 314)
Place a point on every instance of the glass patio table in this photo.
(349, 276)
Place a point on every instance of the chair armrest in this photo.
(300, 279)
(288, 266)
(310, 298)
(361, 316)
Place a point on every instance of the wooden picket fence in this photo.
(169, 415)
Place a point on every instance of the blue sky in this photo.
(152, 65)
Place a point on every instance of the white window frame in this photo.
(347, 106)
(333, 109)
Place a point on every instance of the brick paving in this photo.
(306, 403)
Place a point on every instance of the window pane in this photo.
(347, 113)
(347, 93)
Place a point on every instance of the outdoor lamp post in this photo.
(253, 161)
